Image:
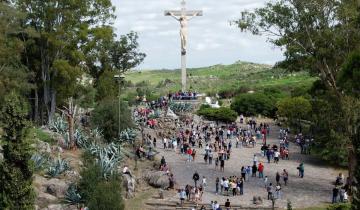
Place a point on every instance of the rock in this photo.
(45, 198)
(72, 176)
(56, 187)
(60, 207)
(43, 147)
(129, 185)
(158, 179)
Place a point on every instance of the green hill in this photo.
(240, 75)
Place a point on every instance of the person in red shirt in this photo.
(261, 170)
(189, 153)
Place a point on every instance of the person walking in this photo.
(254, 170)
(269, 190)
(217, 183)
(227, 204)
(301, 170)
(222, 164)
(277, 178)
(261, 170)
(196, 178)
(285, 175)
(182, 197)
(335, 194)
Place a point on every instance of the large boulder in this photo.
(129, 185)
(159, 179)
(56, 187)
(43, 147)
(43, 198)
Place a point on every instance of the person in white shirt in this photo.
(204, 181)
(255, 160)
(276, 156)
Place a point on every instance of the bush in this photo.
(340, 206)
(106, 117)
(250, 104)
(97, 192)
(222, 114)
(107, 195)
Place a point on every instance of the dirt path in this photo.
(314, 189)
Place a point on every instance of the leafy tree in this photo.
(251, 104)
(222, 114)
(16, 191)
(13, 76)
(55, 51)
(294, 110)
(106, 117)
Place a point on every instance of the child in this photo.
(266, 181)
(204, 181)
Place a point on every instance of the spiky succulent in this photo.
(40, 161)
(72, 195)
(57, 167)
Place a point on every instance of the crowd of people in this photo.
(215, 144)
(183, 95)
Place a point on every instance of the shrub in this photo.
(106, 117)
(222, 114)
(107, 195)
(250, 104)
(340, 206)
(97, 192)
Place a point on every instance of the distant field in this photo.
(223, 77)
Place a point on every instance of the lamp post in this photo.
(119, 78)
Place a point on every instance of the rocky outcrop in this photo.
(158, 179)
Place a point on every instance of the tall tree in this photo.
(62, 27)
(13, 75)
(16, 191)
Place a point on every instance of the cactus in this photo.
(40, 161)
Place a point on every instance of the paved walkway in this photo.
(314, 189)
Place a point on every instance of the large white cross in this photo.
(183, 16)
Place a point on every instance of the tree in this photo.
(294, 110)
(16, 191)
(62, 29)
(222, 114)
(317, 35)
(13, 76)
(251, 104)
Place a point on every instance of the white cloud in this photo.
(211, 38)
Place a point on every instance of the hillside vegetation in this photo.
(241, 76)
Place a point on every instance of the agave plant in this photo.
(96, 133)
(82, 140)
(58, 166)
(108, 163)
(40, 161)
(127, 136)
(58, 125)
(181, 107)
(72, 195)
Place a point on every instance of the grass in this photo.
(222, 77)
(39, 134)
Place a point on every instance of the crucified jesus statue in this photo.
(183, 19)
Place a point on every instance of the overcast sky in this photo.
(211, 38)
